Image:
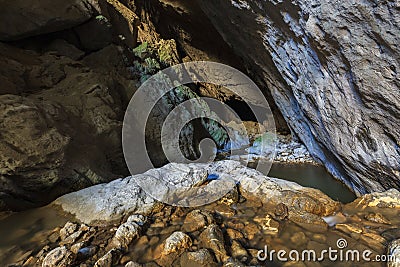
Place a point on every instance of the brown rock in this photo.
(212, 238)
(197, 220)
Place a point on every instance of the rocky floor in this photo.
(287, 150)
(229, 232)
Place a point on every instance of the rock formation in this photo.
(332, 68)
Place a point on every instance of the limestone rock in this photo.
(125, 234)
(21, 19)
(332, 68)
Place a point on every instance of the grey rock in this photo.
(107, 202)
(332, 68)
(21, 19)
(110, 202)
(125, 234)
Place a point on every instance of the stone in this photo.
(40, 117)
(298, 239)
(196, 220)
(58, 257)
(213, 239)
(68, 229)
(176, 242)
(125, 234)
(269, 225)
(44, 17)
(124, 20)
(86, 252)
(95, 34)
(111, 258)
(139, 219)
(377, 218)
(200, 258)
(173, 247)
(393, 251)
(349, 228)
(238, 252)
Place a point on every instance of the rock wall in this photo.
(333, 70)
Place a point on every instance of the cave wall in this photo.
(333, 70)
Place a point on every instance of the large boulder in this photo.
(333, 70)
(110, 202)
(20, 18)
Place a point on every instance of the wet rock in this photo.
(394, 251)
(111, 258)
(377, 218)
(308, 221)
(388, 199)
(68, 229)
(298, 238)
(238, 252)
(173, 247)
(281, 211)
(58, 257)
(234, 234)
(197, 220)
(138, 219)
(391, 234)
(349, 228)
(176, 242)
(213, 239)
(200, 258)
(251, 230)
(44, 17)
(269, 225)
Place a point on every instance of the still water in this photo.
(309, 175)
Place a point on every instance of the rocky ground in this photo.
(229, 232)
(287, 150)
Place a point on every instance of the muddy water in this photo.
(27, 230)
(314, 176)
